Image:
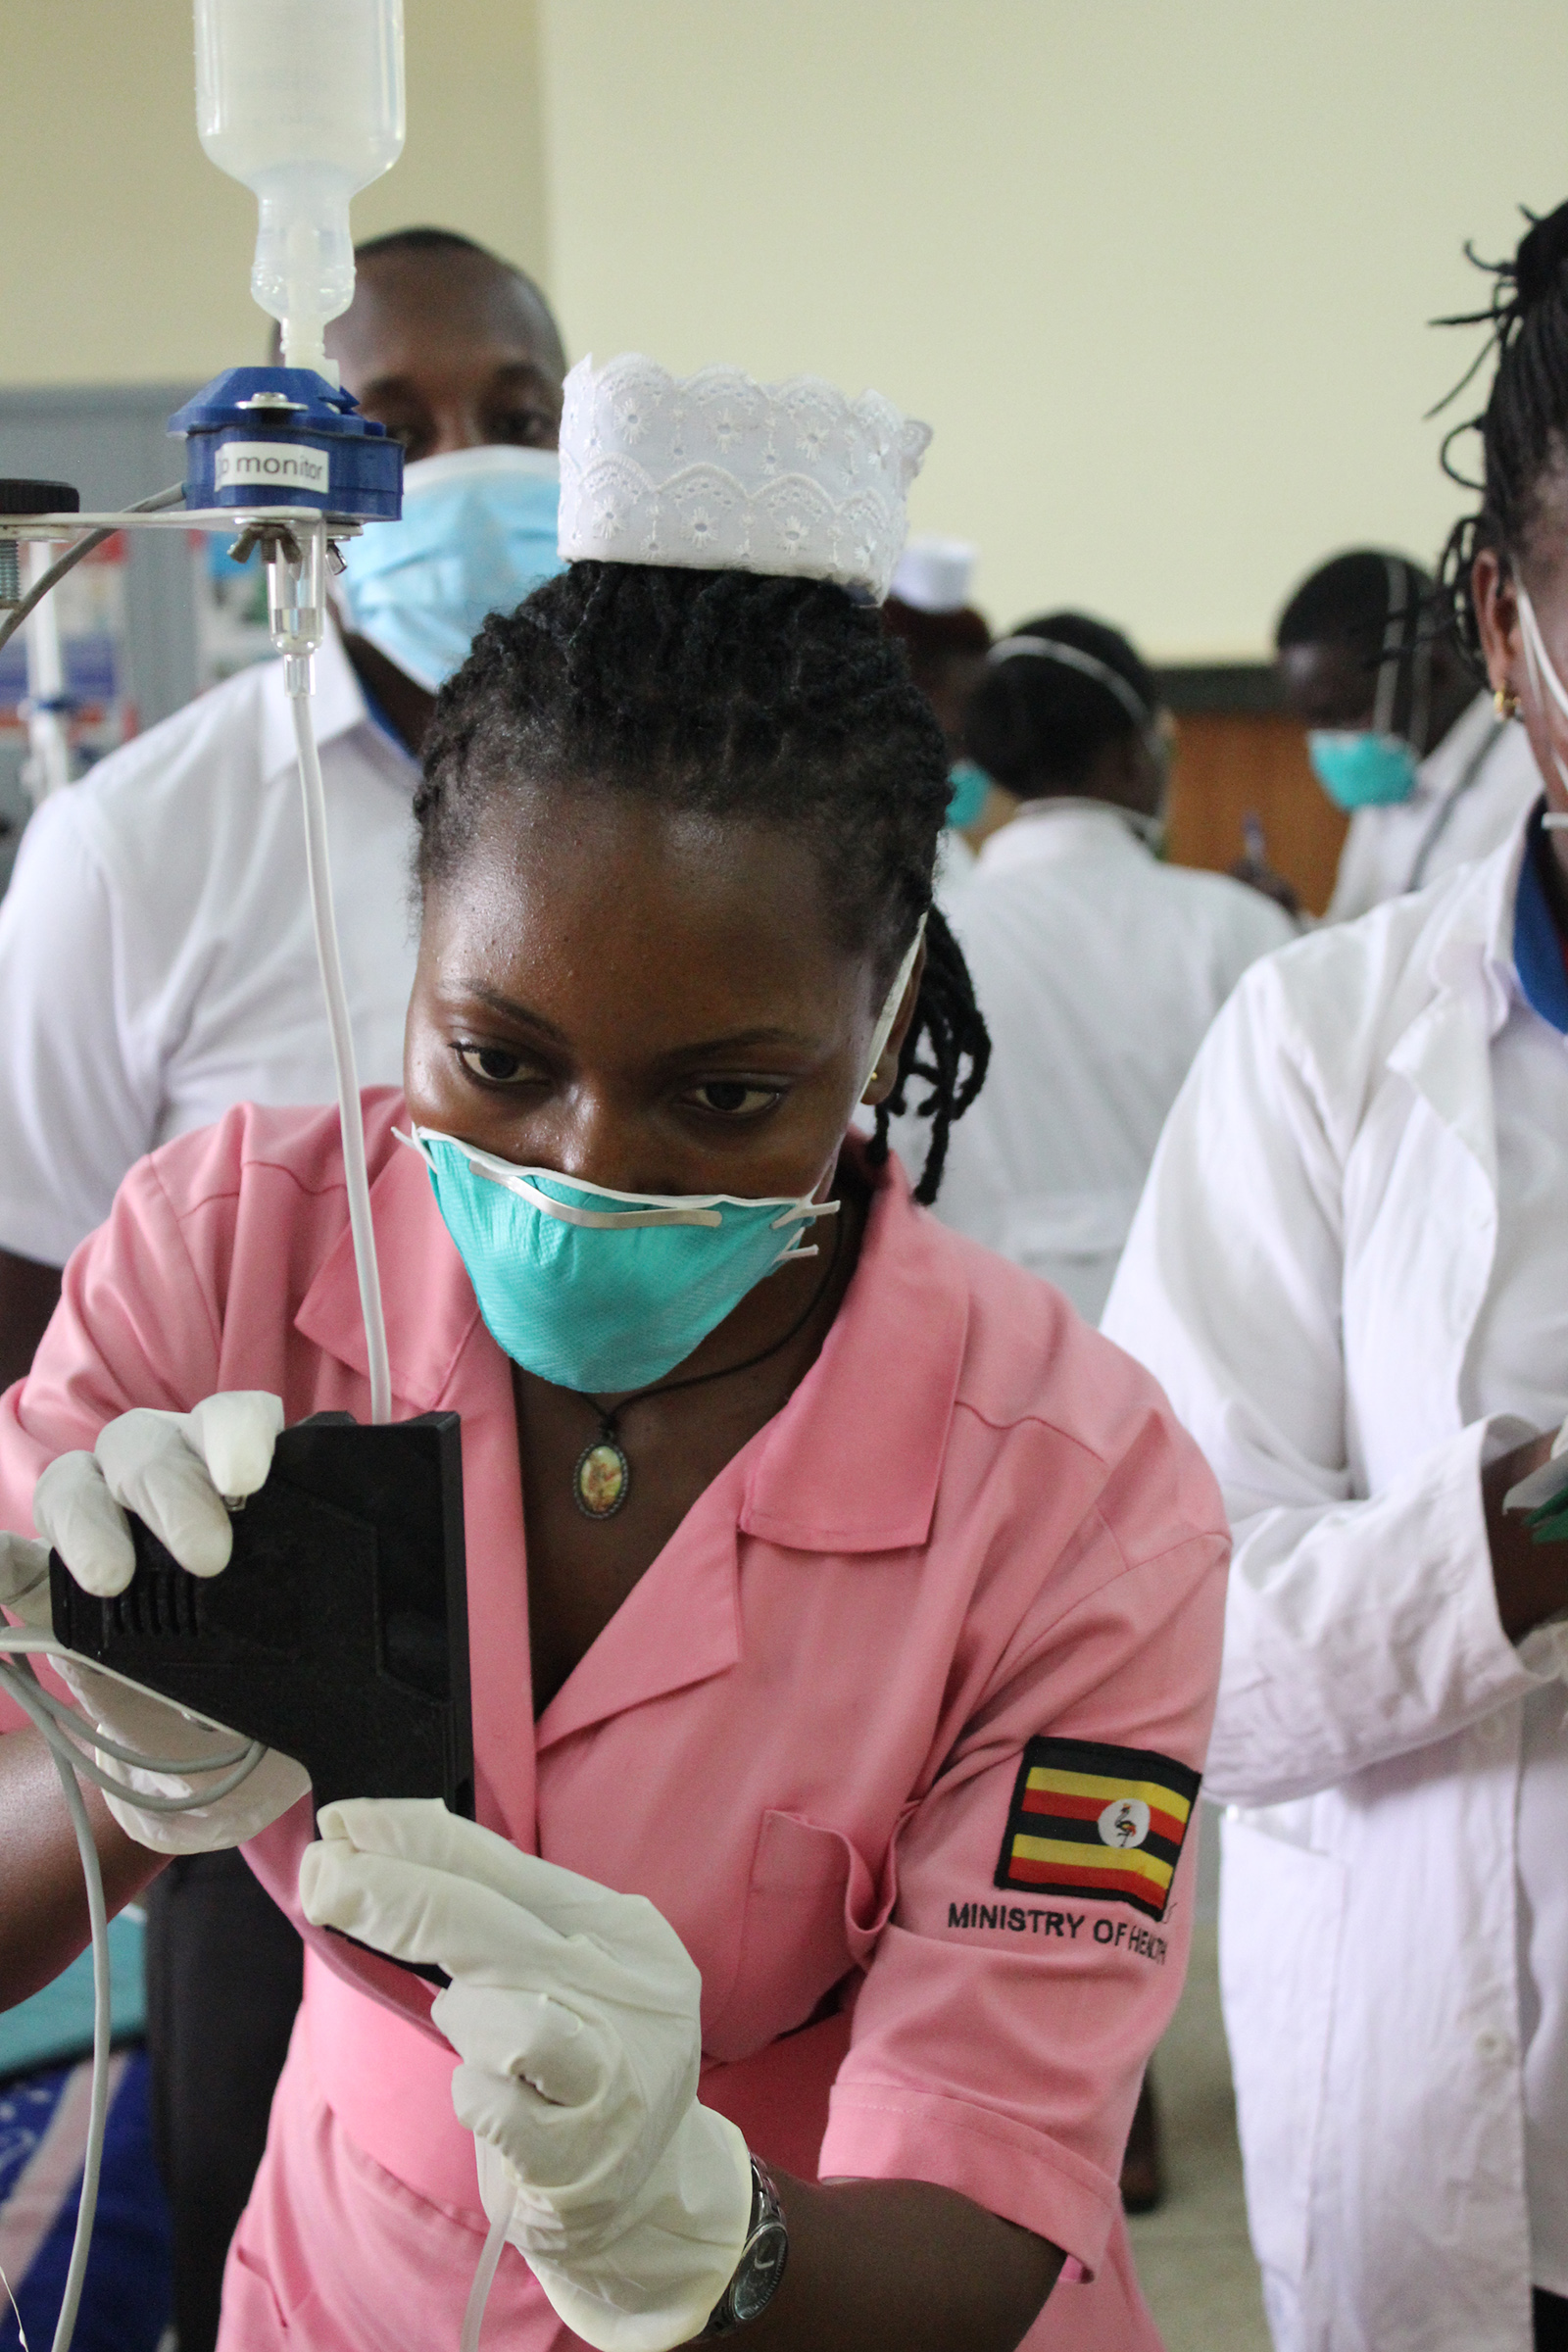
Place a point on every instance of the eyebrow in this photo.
(510, 1009)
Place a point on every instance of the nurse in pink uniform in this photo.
(845, 1614)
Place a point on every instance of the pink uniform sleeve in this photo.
(136, 1325)
(1002, 2032)
(133, 1327)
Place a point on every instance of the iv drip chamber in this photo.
(302, 100)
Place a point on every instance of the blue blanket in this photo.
(43, 2124)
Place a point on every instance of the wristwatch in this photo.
(761, 2264)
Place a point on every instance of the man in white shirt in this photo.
(1097, 967)
(157, 964)
(1399, 735)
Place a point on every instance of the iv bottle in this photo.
(302, 100)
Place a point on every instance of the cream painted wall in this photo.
(126, 256)
(1157, 271)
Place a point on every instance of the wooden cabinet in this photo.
(1232, 763)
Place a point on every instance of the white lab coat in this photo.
(1304, 1275)
(1470, 793)
(1097, 970)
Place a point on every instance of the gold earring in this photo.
(1505, 702)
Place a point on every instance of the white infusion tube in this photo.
(297, 601)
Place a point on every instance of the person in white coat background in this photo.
(1350, 1272)
(1098, 968)
(1399, 733)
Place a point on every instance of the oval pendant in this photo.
(602, 1480)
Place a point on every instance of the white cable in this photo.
(484, 2278)
(88, 1742)
(16, 1683)
(319, 867)
(59, 1728)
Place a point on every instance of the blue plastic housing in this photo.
(285, 437)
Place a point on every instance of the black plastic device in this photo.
(339, 1631)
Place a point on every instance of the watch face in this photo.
(755, 2283)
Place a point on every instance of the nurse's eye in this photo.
(733, 1098)
(496, 1065)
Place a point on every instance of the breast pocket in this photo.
(1282, 1909)
(814, 1910)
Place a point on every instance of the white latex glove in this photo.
(574, 2012)
(173, 1470)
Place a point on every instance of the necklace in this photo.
(602, 1479)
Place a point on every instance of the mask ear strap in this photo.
(890, 1009)
(1545, 681)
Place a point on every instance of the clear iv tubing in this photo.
(62, 1731)
(318, 865)
(484, 2279)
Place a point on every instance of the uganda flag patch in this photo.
(1089, 1820)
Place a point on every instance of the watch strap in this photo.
(761, 2268)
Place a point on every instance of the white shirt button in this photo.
(1493, 2048)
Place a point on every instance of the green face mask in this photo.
(971, 784)
(1359, 770)
(599, 1290)
(605, 1292)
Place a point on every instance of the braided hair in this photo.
(726, 694)
(1524, 425)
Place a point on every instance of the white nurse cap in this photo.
(935, 576)
(716, 471)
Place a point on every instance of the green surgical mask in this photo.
(1359, 770)
(971, 784)
(605, 1292)
(600, 1290)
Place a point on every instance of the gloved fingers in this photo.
(74, 1510)
(423, 1831)
(234, 1434)
(24, 1580)
(275, 1785)
(152, 1470)
(522, 2039)
(415, 1913)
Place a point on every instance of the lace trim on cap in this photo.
(716, 471)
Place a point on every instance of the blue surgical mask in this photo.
(476, 535)
(605, 1292)
(1361, 769)
(971, 784)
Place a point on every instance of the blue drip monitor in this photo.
(285, 437)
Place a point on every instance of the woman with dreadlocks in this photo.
(1350, 1271)
(844, 1615)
